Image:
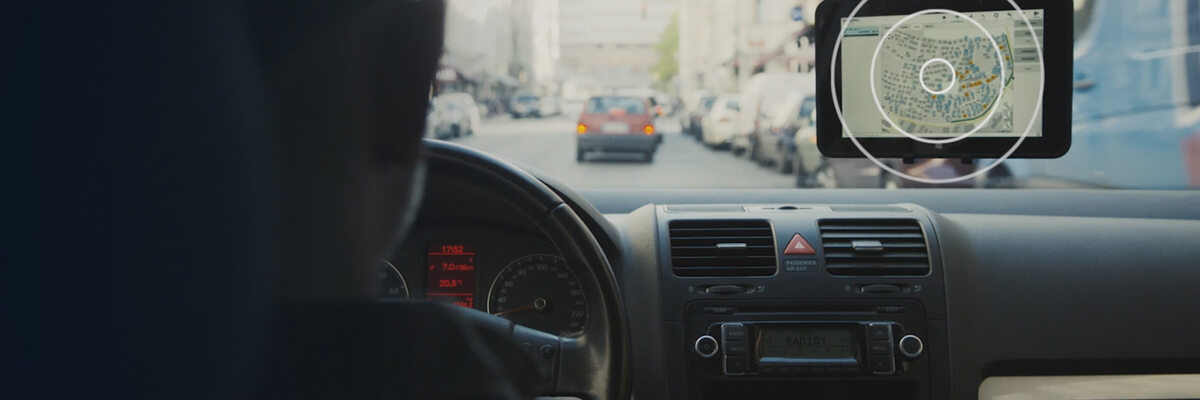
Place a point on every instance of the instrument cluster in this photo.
(511, 274)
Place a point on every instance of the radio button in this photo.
(881, 347)
(879, 330)
(733, 332)
(736, 348)
(911, 346)
(735, 365)
(706, 346)
(881, 365)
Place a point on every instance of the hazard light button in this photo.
(799, 247)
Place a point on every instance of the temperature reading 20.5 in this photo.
(541, 292)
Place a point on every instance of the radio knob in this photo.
(911, 346)
(706, 346)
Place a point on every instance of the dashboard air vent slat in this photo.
(874, 247)
(702, 248)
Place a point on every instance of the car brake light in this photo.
(648, 129)
(581, 129)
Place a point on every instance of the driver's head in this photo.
(200, 160)
(346, 88)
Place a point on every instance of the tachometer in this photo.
(392, 284)
(541, 292)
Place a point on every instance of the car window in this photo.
(605, 105)
(807, 107)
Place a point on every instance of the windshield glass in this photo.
(730, 86)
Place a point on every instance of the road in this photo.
(548, 144)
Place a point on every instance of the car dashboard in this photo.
(842, 294)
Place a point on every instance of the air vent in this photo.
(874, 247)
(722, 248)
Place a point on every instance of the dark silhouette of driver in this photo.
(218, 181)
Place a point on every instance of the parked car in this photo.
(454, 115)
(549, 106)
(695, 113)
(616, 124)
(720, 123)
(760, 93)
(780, 139)
(525, 106)
(430, 122)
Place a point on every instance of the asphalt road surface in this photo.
(548, 144)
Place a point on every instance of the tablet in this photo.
(935, 79)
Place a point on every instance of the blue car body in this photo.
(1136, 105)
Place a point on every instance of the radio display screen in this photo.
(450, 275)
(791, 343)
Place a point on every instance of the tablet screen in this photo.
(938, 75)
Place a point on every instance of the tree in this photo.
(668, 48)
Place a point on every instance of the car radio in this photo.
(785, 348)
(811, 340)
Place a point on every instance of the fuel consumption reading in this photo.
(450, 274)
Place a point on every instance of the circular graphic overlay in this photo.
(995, 46)
(953, 76)
(837, 107)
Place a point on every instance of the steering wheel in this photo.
(594, 365)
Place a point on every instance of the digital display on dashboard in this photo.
(805, 343)
(450, 274)
(941, 75)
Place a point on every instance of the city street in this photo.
(548, 145)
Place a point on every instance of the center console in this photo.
(795, 301)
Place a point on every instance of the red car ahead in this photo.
(616, 124)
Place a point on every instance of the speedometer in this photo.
(391, 282)
(541, 292)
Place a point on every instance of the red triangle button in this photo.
(799, 247)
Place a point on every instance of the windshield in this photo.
(730, 86)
